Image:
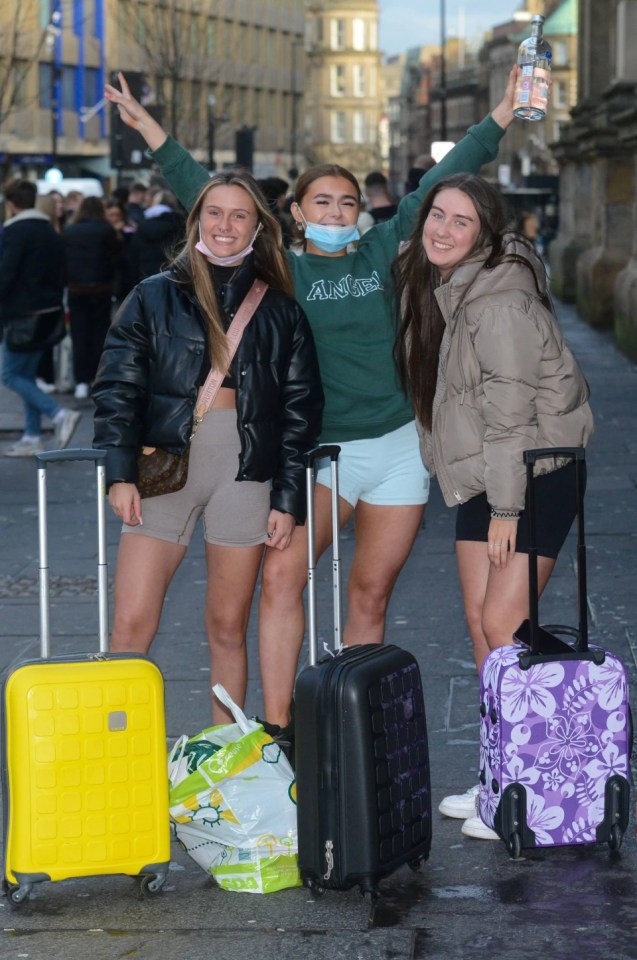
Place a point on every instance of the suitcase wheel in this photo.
(151, 884)
(417, 864)
(16, 895)
(514, 846)
(615, 837)
(315, 888)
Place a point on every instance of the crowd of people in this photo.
(96, 250)
(423, 342)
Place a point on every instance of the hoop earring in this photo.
(299, 225)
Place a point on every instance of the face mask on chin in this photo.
(330, 238)
(226, 261)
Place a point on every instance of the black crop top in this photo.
(221, 276)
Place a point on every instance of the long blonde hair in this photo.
(269, 257)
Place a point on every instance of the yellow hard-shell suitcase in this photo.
(85, 785)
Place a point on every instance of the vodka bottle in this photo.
(532, 87)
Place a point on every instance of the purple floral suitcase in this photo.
(555, 728)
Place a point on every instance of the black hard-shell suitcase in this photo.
(362, 760)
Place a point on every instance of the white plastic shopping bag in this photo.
(233, 804)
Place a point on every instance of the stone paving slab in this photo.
(470, 899)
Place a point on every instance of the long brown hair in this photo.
(269, 257)
(418, 340)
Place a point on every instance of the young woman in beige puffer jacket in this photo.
(491, 376)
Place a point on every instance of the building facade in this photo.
(212, 70)
(343, 95)
(594, 258)
(52, 70)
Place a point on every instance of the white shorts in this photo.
(385, 471)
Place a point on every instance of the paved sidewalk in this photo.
(470, 899)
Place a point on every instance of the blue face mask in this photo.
(330, 239)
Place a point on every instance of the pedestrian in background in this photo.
(379, 205)
(156, 237)
(135, 202)
(52, 204)
(275, 191)
(72, 202)
(32, 276)
(92, 250)
(481, 352)
(116, 214)
(246, 474)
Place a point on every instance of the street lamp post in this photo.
(293, 171)
(443, 72)
(212, 102)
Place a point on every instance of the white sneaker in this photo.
(461, 805)
(475, 827)
(81, 391)
(44, 386)
(24, 448)
(64, 427)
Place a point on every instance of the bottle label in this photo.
(540, 89)
(523, 86)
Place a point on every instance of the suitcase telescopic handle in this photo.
(56, 456)
(578, 455)
(319, 453)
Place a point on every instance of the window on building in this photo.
(68, 84)
(337, 126)
(92, 86)
(358, 33)
(560, 53)
(337, 80)
(319, 31)
(270, 50)
(358, 127)
(337, 34)
(373, 35)
(373, 81)
(560, 94)
(211, 37)
(360, 85)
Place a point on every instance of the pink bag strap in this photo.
(241, 320)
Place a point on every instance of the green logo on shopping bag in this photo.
(199, 751)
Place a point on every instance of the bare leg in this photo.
(281, 610)
(232, 576)
(145, 567)
(384, 538)
(495, 601)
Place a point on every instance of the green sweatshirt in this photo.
(349, 300)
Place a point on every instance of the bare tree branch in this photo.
(172, 40)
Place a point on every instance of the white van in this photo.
(89, 186)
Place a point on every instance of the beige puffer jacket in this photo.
(512, 384)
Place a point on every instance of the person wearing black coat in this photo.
(246, 475)
(31, 314)
(92, 251)
(156, 237)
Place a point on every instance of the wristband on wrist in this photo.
(505, 514)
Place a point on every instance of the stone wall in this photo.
(594, 257)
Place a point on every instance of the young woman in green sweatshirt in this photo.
(348, 298)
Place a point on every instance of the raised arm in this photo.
(134, 115)
(183, 173)
(479, 146)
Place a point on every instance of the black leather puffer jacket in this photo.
(146, 385)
